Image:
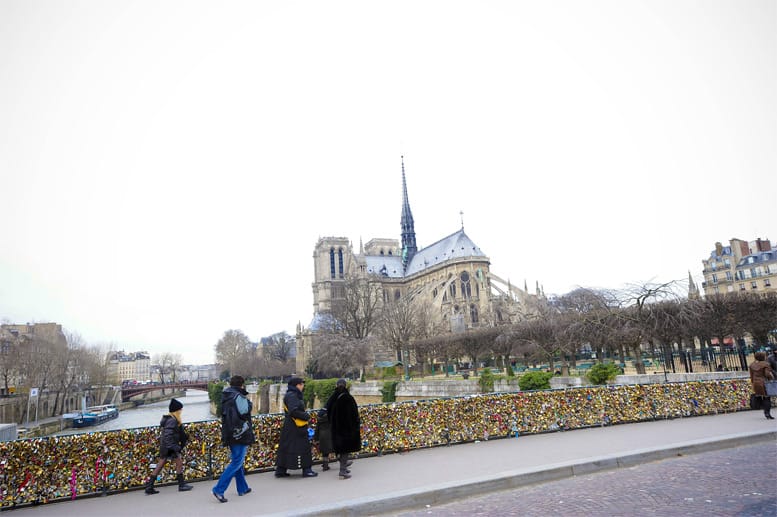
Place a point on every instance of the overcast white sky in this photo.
(167, 167)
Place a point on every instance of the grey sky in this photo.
(167, 166)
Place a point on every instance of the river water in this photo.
(196, 408)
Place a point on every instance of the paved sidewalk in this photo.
(386, 484)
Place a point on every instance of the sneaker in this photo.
(345, 475)
(309, 474)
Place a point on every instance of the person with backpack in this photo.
(237, 433)
(172, 440)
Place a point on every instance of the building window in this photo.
(453, 290)
(753, 272)
(767, 282)
(742, 287)
(754, 285)
(340, 261)
(728, 276)
(466, 289)
(332, 262)
(714, 278)
(727, 262)
(397, 294)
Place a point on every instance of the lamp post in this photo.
(405, 355)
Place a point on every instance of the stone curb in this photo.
(448, 492)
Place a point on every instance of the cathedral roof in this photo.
(456, 245)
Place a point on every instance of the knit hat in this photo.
(341, 382)
(175, 405)
(295, 381)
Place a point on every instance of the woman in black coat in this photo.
(172, 440)
(294, 447)
(345, 426)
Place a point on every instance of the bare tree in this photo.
(337, 355)
(278, 346)
(233, 351)
(358, 309)
(398, 325)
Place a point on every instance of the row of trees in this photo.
(613, 323)
(626, 322)
(61, 365)
(610, 323)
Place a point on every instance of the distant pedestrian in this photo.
(237, 433)
(346, 426)
(172, 440)
(294, 447)
(323, 437)
(760, 372)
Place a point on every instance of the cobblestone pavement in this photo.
(741, 481)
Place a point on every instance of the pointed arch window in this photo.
(340, 261)
(466, 288)
(332, 262)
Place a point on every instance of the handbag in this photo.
(755, 401)
(771, 388)
(297, 421)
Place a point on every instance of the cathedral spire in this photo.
(408, 230)
(693, 290)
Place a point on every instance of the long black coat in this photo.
(344, 422)
(294, 447)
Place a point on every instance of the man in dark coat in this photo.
(237, 433)
(345, 425)
(294, 446)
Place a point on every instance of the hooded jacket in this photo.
(236, 426)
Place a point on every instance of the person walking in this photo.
(237, 433)
(760, 372)
(323, 437)
(345, 424)
(294, 447)
(172, 440)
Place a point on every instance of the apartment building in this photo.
(741, 266)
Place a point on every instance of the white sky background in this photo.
(167, 167)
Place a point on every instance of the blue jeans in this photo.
(233, 470)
